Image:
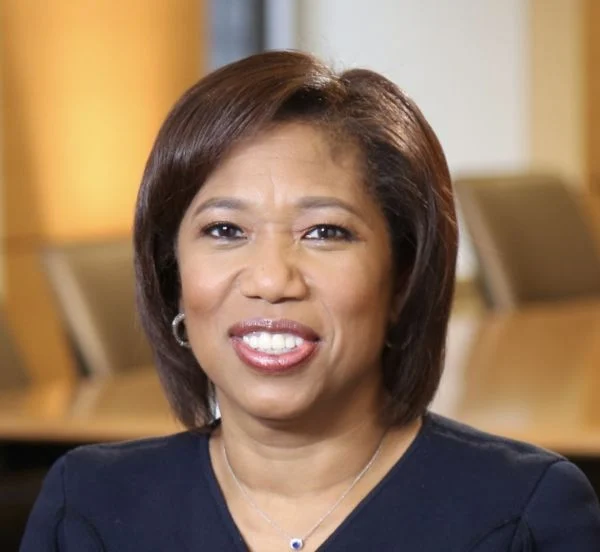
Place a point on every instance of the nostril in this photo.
(273, 282)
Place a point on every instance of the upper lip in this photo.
(245, 327)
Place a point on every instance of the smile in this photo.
(273, 346)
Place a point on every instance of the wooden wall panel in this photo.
(592, 93)
(84, 87)
(556, 107)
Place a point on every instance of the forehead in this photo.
(291, 158)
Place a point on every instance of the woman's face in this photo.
(286, 278)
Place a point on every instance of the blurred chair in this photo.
(531, 238)
(12, 370)
(94, 285)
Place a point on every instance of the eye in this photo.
(223, 231)
(329, 232)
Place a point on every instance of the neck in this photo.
(301, 457)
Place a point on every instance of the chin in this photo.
(276, 405)
(279, 410)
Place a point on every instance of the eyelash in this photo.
(207, 231)
(343, 234)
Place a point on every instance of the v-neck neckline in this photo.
(338, 533)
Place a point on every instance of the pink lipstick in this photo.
(273, 346)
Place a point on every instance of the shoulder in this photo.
(138, 491)
(481, 451)
(139, 466)
(130, 454)
(110, 496)
(484, 462)
(563, 510)
(506, 483)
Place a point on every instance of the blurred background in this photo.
(512, 88)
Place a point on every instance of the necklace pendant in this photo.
(296, 544)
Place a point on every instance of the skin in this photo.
(271, 251)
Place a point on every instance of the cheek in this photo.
(362, 296)
(203, 287)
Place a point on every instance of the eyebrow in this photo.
(304, 204)
(230, 203)
(325, 202)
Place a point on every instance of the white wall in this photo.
(463, 61)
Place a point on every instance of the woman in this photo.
(295, 242)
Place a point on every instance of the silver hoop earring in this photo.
(175, 327)
(389, 342)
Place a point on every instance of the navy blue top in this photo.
(455, 490)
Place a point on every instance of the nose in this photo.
(273, 273)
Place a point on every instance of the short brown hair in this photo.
(405, 169)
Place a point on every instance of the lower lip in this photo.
(274, 364)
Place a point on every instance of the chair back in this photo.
(531, 237)
(94, 285)
(12, 370)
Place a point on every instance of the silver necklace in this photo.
(297, 543)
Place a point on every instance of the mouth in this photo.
(273, 346)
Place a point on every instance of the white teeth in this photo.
(278, 341)
(264, 341)
(272, 343)
(290, 341)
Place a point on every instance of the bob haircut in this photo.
(404, 168)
